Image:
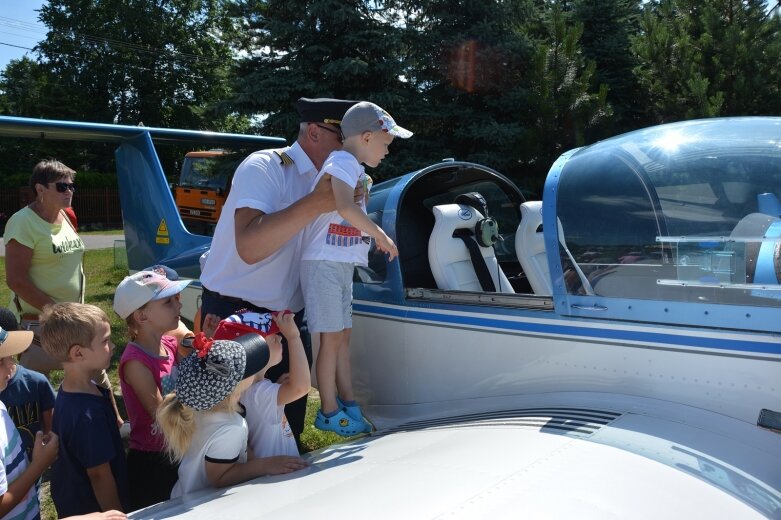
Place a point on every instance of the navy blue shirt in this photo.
(89, 437)
(27, 396)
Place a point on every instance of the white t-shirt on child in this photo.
(219, 437)
(329, 236)
(269, 431)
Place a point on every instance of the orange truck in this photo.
(203, 186)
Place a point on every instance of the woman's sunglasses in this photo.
(64, 186)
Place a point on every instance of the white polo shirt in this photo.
(261, 182)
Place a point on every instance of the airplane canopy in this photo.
(674, 212)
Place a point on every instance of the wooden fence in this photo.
(95, 207)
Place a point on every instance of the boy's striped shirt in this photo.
(14, 462)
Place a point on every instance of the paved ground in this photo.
(91, 241)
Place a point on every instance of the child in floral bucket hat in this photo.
(202, 421)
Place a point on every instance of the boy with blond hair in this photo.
(89, 474)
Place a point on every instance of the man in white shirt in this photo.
(255, 254)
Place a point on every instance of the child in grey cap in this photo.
(333, 244)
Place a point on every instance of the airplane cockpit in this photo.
(686, 213)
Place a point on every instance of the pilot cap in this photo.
(322, 110)
(368, 117)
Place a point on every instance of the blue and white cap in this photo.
(140, 288)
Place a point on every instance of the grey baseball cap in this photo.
(368, 117)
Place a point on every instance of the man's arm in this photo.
(104, 486)
(259, 235)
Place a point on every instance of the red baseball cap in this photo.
(247, 322)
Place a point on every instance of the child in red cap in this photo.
(270, 435)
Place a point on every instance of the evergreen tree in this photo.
(501, 83)
(608, 28)
(464, 75)
(468, 64)
(563, 102)
(313, 48)
(709, 58)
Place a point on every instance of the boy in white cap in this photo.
(333, 244)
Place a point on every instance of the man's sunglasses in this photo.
(62, 187)
(338, 133)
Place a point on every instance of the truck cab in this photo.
(203, 186)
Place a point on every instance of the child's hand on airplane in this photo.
(386, 245)
(285, 320)
(106, 515)
(284, 464)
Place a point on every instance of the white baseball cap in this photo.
(138, 289)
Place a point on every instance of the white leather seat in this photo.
(530, 248)
(449, 258)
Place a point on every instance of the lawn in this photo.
(102, 278)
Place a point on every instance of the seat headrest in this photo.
(473, 199)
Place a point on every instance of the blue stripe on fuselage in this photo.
(555, 329)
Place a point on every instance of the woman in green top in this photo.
(44, 256)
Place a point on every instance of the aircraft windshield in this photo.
(678, 212)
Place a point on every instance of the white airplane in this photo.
(610, 352)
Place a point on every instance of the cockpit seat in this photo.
(451, 263)
(530, 248)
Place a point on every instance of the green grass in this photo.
(102, 279)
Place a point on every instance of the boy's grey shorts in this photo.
(328, 294)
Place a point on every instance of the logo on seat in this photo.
(464, 214)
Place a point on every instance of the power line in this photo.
(116, 44)
(17, 46)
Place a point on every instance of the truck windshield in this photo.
(211, 172)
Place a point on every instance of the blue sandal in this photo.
(355, 413)
(340, 423)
